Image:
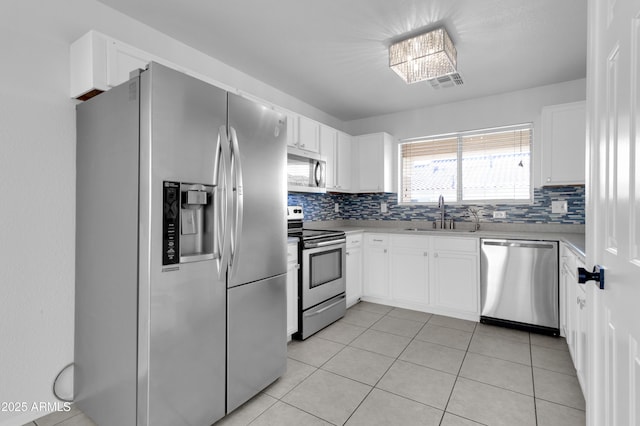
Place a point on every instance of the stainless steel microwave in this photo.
(306, 172)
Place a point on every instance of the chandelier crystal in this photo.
(423, 57)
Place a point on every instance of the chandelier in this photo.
(423, 57)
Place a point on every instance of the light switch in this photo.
(336, 207)
(559, 207)
(383, 207)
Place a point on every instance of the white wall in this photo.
(37, 178)
(517, 107)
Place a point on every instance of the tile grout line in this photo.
(397, 358)
(458, 374)
(374, 386)
(394, 360)
(533, 383)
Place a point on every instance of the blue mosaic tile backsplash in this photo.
(319, 207)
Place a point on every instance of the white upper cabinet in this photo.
(335, 146)
(328, 140)
(99, 63)
(563, 144)
(372, 163)
(308, 134)
(292, 130)
(344, 166)
(303, 133)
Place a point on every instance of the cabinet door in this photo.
(100, 63)
(121, 60)
(369, 160)
(343, 162)
(409, 272)
(373, 163)
(293, 134)
(309, 131)
(354, 275)
(563, 299)
(292, 289)
(328, 140)
(563, 144)
(581, 332)
(455, 281)
(376, 266)
(571, 313)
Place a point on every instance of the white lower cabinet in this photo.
(573, 313)
(354, 268)
(409, 270)
(428, 273)
(455, 275)
(292, 288)
(376, 266)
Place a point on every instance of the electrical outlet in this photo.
(383, 207)
(336, 207)
(499, 215)
(559, 206)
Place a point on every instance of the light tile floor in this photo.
(388, 366)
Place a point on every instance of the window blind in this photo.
(488, 164)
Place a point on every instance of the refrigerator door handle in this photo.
(223, 182)
(238, 203)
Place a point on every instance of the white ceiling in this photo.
(332, 54)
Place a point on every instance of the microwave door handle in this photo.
(238, 201)
(317, 173)
(223, 178)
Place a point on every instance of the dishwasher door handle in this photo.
(518, 244)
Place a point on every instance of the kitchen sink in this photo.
(438, 230)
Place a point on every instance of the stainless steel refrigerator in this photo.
(180, 251)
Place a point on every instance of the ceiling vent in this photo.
(449, 80)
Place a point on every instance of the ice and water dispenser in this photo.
(187, 222)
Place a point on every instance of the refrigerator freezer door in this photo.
(259, 235)
(257, 341)
(182, 306)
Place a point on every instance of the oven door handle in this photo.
(307, 314)
(325, 243)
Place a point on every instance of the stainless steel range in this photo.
(321, 280)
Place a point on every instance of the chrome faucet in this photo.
(441, 207)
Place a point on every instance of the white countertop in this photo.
(576, 241)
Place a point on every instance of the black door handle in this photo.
(597, 275)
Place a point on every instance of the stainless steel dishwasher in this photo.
(519, 284)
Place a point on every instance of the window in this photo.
(474, 167)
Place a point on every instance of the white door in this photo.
(613, 211)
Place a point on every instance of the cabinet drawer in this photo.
(410, 241)
(469, 245)
(354, 240)
(377, 239)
